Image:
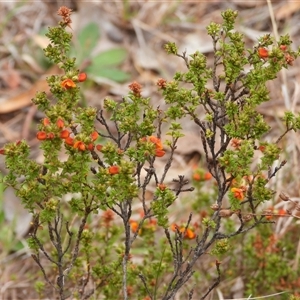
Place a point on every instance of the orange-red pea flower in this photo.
(50, 136)
(60, 123)
(99, 147)
(189, 233)
(94, 135)
(134, 225)
(197, 177)
(238, 193)
(46, 122)
(69, 141)
(79, 145)
(91, 146)
(82, 77)
(283, 47)
(68, 84)
(64, 134)
(2, 151)
(263, 52)
(41, 135)
(113, 170)
(160, 152)
(207, 176)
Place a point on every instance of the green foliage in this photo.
(104, 64)
(130, 248)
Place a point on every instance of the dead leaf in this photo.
(285, 11)
(24, 99)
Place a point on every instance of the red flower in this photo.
(159, 153)
(64, 134)
(113, 170)
(41, 135)
(283, 47)
(189, 233)
(197, 176)
(69, 141)
(238, 193)
(94, 135)
(82, 77)
(99, 147)
(2, 151)
(60, 123)
(46, 122)
(50, 136)
(207, 176)
(263, 52)
(91, 146)
(134, 226)
(68, 84)
(79, 145)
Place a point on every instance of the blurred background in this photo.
(117, 42)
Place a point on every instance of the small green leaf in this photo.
(111, 73)
(110, 57)
(87, 40)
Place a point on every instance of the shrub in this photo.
(111, 160)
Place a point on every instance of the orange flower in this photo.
(60, 123)
(82, 77)
(283, 47)
(2, 151)
(69, 141)
(79, 145)
(189, 234)
(68, 83)
(207, 176)
(91, 146)
(41, 135)
(113, 170)
(262, 148)
(99, 147)
(50, 136)
(154, 139)
(159, 153)
(200, 177)
(174, 227)
(64, 134)
(238, 193)
(197, 176)
(46, 122)
(263, 52)
(94, 135)
(134, 225)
